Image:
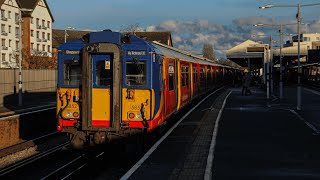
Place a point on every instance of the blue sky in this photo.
(179, 16)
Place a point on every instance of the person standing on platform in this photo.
(246, 84)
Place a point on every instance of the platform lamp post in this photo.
(266, 73)
(281, 44)
(20, 53)
(65, 32)
(298, 17)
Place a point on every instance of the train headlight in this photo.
(68, 114)
(138, 115)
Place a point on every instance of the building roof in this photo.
(161, 37)
(31, 4)
(2, 1)
(58, 36)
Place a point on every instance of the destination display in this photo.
(136, 53)
(72, 52)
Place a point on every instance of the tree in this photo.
(131, 29)
(38, 60)
(208, 51)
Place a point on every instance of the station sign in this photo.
(259, 49)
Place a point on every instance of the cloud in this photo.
(192, 35)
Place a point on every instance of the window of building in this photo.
(10, 42)
(48, 24)
(43, 35)
(72, 73)
(136, 73)
(3, 42)
(32, 33)
(43, 47)
(37, 22)
(17, 45)
(17, 31)
(9, 14)
(103, 75)
(306, 39)
(38, 34)
(10, 57)
(49, 48)
(17, 18)
(32, 46)
(3, 56)
(38, 47)
(9, 28)
(2, 13)
(43, 22)
(3, 28)
(49, 36)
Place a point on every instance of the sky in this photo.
(222, 23)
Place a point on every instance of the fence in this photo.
(35, 82)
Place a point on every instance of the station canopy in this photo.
(248, 50)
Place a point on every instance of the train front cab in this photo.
(68, 92)
(116, 90)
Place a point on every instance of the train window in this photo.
(103, 75)
(195, 75)
(187, 75)
(184, 76)
(202, 75)
(72, 73)
(171, 77)
(135, 73)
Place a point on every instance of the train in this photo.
(115, 85)
(310, 74)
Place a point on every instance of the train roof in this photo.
(305, 65)
(177, 53)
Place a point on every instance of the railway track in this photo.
(110, 161)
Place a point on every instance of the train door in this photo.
(101, 85)
(171, 87)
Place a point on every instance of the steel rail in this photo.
(25, 162)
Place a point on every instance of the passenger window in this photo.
(187, 76)
(195, 75)
(202, 75)
(171, 77)
(183, 74)
(103, 75)
(135, 73)
(72, 73)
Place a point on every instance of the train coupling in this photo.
(125, 124)
(76, 124)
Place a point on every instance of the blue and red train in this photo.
(113, 85)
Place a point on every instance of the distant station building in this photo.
(253, 51)
(249, 54)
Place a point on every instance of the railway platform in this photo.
(253, 138)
